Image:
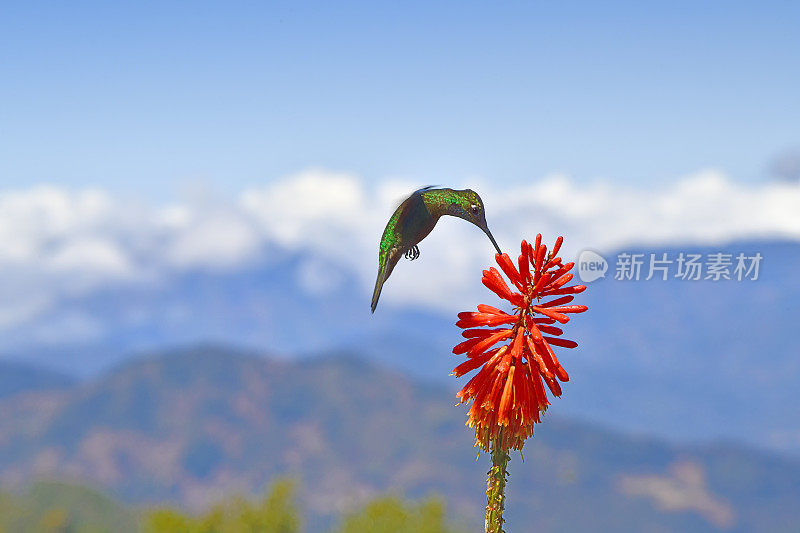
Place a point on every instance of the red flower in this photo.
(507, 392)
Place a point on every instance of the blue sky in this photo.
(146, 97)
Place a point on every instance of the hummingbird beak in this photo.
(489, 234)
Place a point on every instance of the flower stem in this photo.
(496, 486)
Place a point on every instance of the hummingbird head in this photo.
(469, 206)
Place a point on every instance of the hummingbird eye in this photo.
(475, 209)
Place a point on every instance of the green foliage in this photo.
(393, 515)
(275, 513)
(62, 507)
(49, 507)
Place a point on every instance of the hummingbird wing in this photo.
(398, 203)
(406, 227)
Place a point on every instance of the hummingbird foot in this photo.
(412, 253)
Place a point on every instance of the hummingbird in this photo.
(415, 218)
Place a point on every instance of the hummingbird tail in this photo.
(378, 286)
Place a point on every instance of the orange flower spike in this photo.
(476, 386)
(552, 263)
(469, 365)
(559, 371)
(563, 269)
(534, 354)
(552, 330)
(544, 280)
(557, 301)
(465, 346)
(471, 320)
(494, 274)
(511, 354)
(482, 333)
(495, 283)
(557, 246)
(524, 402)
(490, 341)
(531, 377)
(540, 258)
(508, 268)
(545, 357)
(533, 253)
(563, 281)
(490, 283)
(505, 398)
(508, 391)
(516, 350)
(524, 264)
(564, 343)
(541, 396)
(490, 402)
(533, 329)
(574, 289)
(477, 383)
(555, 387)
(551, 313)
(483, 308)
(570, 309)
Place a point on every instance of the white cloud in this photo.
(313, 209)
(89, 255)
(336, 215)
(211, 237)
(55, 242)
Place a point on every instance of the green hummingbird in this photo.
(415, 218)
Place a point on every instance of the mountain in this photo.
(686, 360)
(195, 425)
(250, 306)
(17, 377)
(694, 359)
